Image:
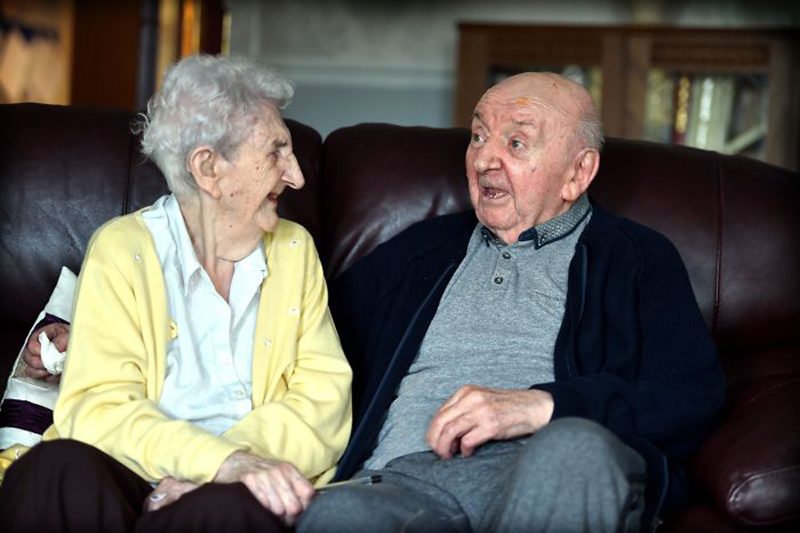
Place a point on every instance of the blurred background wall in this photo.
(395, 60)
(36, 51)
(351, 60)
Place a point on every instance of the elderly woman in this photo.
(202, 359)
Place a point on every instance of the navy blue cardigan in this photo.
(633, 352)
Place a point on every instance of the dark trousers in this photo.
(66, 485)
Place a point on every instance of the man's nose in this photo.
(487, 157)
(293, 176)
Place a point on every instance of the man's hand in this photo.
(168, 491)
(475, 415)
(32, 355)
(277, 485)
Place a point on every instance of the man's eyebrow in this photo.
(477, 116)
(531, 123)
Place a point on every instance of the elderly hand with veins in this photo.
(277, 485)
(167, 491)
(475, 415)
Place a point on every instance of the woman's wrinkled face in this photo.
(260, 170)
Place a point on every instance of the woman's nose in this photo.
(293, 176)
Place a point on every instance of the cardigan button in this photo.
(498, 280)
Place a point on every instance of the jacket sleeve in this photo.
(111, 372)
(309, 424)
(642, 362)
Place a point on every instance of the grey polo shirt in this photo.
(496, 326)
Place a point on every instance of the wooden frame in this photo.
(626, 54)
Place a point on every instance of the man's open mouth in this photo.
(493, 192)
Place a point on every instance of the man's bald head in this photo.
(557, 93)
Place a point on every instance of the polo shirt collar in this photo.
(550, 230)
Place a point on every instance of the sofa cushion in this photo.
(381, 179)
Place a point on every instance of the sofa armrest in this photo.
(750, 465)
(704, 518)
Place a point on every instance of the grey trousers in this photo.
(573, 475)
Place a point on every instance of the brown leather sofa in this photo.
(735, 221)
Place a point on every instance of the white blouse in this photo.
(209, 363)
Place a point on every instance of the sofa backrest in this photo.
(734, 220)
(64, 171)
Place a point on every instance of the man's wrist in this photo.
(545, 406)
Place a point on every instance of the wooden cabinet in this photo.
(734, 91)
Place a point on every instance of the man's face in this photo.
(519, 157)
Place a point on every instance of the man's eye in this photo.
(476, 137)
(515, 143)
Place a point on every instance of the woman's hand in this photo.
(277, 485)
(168, 491)
(32, 355)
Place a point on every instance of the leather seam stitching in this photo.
(720, 242)
(772, 388)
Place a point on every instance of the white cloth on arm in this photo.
(17, 427)
(209, 363)
(52, 358)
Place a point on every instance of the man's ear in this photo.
(202, 165)
(583, 170)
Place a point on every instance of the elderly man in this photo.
(544, 367)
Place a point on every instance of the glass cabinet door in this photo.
(727, 113)
(731, 91)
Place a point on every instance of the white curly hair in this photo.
(206, 101)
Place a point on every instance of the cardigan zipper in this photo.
(584, 279)
(396, 354)
(583, 283)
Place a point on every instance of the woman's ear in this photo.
(584, 168)
(202, 164)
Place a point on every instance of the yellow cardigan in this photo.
(114, 372)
